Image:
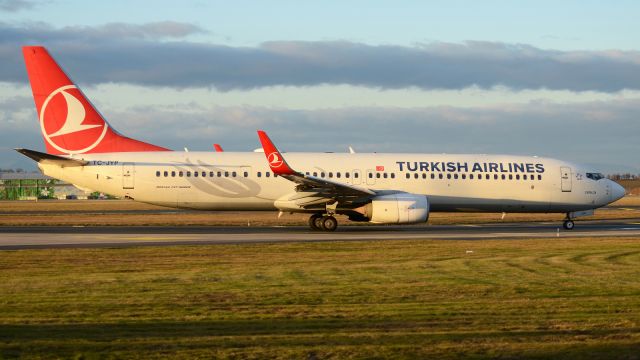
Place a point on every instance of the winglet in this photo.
(276, 162)
(218, 148)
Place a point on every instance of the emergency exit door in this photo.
(565, 179)
(128, 175)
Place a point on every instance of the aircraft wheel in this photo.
(329, 223)
(314, 221)
(568, 225)
(319, 221)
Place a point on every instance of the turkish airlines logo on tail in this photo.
(73, 135)
(274, 160)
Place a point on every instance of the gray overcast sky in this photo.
(525, 81)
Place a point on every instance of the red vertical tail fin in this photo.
(70, 124)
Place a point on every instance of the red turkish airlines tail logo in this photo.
(69, 123)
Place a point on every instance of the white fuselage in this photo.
(239, 181)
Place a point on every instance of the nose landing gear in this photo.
(568, 223)
(319, 222)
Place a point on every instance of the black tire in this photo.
(329, 223)
(313, 219)
(568, 225)
(319, 222)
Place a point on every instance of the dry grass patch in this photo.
(572, 299)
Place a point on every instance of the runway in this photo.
(14, 238)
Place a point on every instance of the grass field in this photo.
(569, 298)
(114, 212)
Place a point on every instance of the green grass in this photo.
(556, 298)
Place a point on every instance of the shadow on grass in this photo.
(230, 335)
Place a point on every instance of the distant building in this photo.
(32, 186)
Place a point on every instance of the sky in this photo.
(547, 78)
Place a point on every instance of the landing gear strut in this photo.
(568, 223)
(319, 222)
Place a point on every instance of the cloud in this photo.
(156, 30)
(604, 133)
(141, 54)
(16, 5)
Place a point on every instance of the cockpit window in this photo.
(595, 176)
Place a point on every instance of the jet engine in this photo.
(400, 208)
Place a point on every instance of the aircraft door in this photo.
(565, 178)
(128, 175)
(356, 177)
(371, 177)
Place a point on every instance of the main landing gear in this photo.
(568, 223)
(321, 222)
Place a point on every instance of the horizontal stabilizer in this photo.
(44, 158)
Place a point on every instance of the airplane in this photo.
(397, 188)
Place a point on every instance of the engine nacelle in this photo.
(402, 208)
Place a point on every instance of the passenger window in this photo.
(448, 176)
(173, 174)
(315, 174)
(195, 174)
(504, 177)
(204, 174)
(433, 176)
(440, 176)
(330, 174)
(470, 176)
(455, 176)
(321, 174)
(259, 174)
(384, 175)
(510, 177)
(346, 175)
(517, 176)
(539, 177)
(267, 174)
(180, 174)
(233, 174)
(210, 173)
(495, 177)
(219, 173)
(487, 176)
(464, 176)
(378, 175)
(338, 175)
(415, 175)
(355, 175)
(188, 173)
(424, 176)
(157, 173)
(524, 177)
(370, 176)
(246, 174)
(307, 173)
(408, 175)
(393, 175)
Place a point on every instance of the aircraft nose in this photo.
(617, 191)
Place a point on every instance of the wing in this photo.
(315, 189)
